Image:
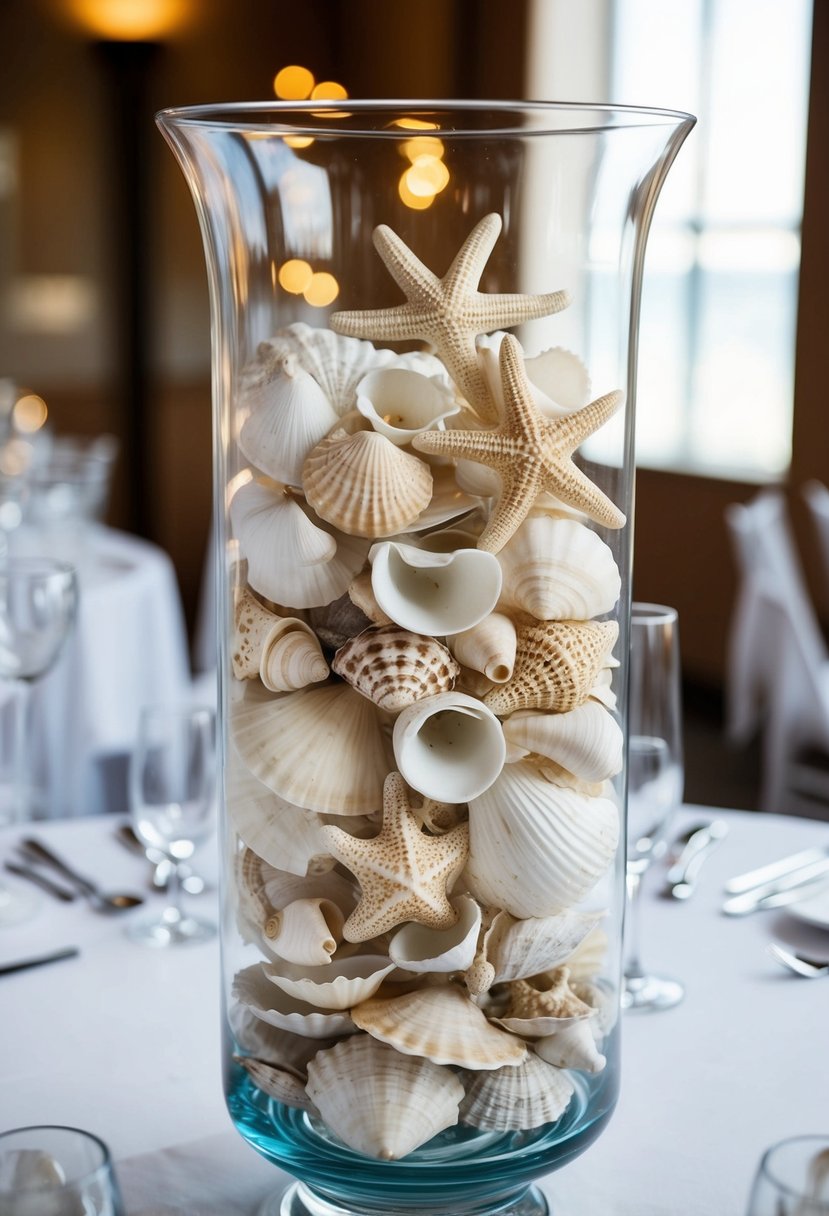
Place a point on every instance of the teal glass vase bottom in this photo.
(463, 1170)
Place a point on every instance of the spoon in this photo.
(102, 901)
(810, 968)
(192, 883)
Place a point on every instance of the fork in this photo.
(810, 968)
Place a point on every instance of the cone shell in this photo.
(337, 986)
(488, 647)
(449, 747)
(306, 931)
(516, 1099)
(558, 569)
(378, 1102)
(516, 948)
(556, 666)
(394, 668)
(434, 593)
(262, 891)
(586, 742)
(276, 1082)
(572, 1046)
(365, 485)
(417, 948)
(270, 1004)
(440, 1024)
(536, 849)
(289, 415)
(400, 403)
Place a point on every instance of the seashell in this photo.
(535, 848)
(378, 1102)
(516, 1099)
(604, 1001)
(448, 499)
(270, 1004)
(282, 651)
(337, 363)
(341, 774)
(449, 747)
(364, 485)
(361, 594)
(395, 668)
(488, 348)
(558, 569)
(276, 1082)
(488, 647)
(289, 415)
(338, 621)
(440, 1024)
(589, 956)
(434, 593)
(602, 690)
(337, 986)
(290, 559)
(478, 480)
(556, 665)
(516, 949)
(287, 836)
(587, 742)
(263, 891)
(418, 948)
(572, 1046)
(400, 403)
(306, 931)
(270, 1044)
(474, 684)
(538, 1008)
(561, 377)
(438, 817)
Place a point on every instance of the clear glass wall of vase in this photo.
(425, 328)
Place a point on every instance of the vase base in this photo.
(299, 1200)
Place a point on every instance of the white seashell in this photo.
(536, 848)
(361, 594)
(400, 403)
(282, 651)
(337, 363)
(590, 956)
(477, 479)
(289, 415)
(418, 948)
(572, 1046)
(558, 569)
(290, 559)
(276, 1082)
(365, 485)
(321, 748)
(602, 689)
(379, 1102)
(488, 647)
(306, 931)
(520, 948)
(439, 817)
(474, 684)
(586, 741)
(516, 1099)
(270, 1044)
(448, 499)
(449, 747)
(287, 836)
(440, 1024)
(434, 593)
(263, 890)
(395, 668)
(488, 349)
(340, 985)
(561, 377)
(270, 1004)
(541, 1006)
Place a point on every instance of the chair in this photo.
(816, 497)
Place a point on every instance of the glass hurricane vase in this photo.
(424, 335)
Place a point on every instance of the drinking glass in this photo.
(172, 781)
(53, 1171)
(792, 1179)
(655, 781)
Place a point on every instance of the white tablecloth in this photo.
(124, 1041)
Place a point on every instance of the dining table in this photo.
(124, 1040)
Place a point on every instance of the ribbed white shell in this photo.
(269, 1003)
(339, 985)
(515, 1099)
(289, 414)
(587, 741)
(558, 569)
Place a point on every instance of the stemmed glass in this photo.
(655, 781)
(172, 779)
(792, 1179)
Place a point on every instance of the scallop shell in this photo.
(558, 569)
(337, 363)
(365, 485)
(289, 415)
(434, 593)
(536, 849)
(270, 1044)
(380, 1103)
(488, 647)
(516, 948)
(290, 559)
(400, 403)
(395, 668)
(270, 1004)
(516, 1099)
(572, 1046)
(449, 747)
(541, 1006)
(282, 651)
(289, 837)
(276, 1082)
(556, 665)
(418, 948)
(306, 931)
(562, 377)
(587, 742)
(440, 1024)
(320, 748)
(337, 986)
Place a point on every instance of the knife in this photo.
(40, 960)
(777, 892)
(775, 869)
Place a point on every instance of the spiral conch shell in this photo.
(282, 651)
(394, 668)
(556, 666)
(488, 647)
(289, 415)
(586, 742)
(558, 569)
(306, 931)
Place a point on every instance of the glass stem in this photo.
(173, 910)
(23, 777)
(633, 884)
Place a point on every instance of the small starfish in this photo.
(403, 873)
(448, 312)
(531, 453)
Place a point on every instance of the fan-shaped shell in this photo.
(289, 415)
(556, 665)
(562, 377)
(520, 948)
(287, 836)
(379, 1102)
(394, 668)
(400, 403)
(572, 1046)
(536, 848)
(488, 647)
(449, 747)
(270, 1004)
(434, 593)
(272, 1045)
(306, 931)
(339, 985)
(417, 948)
(276, 1082)
(365, 485)
(321, 748)
(337, 363)
(542, 1005)
(516, 1099)
(587, 741)
(440, 1024)
(558, 569)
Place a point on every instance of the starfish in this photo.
(531, 453)
(403, 873)
(448, 312)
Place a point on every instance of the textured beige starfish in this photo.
(403, 873)
(531, 453)
(448, 312)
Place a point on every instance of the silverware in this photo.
(116, 901)
(40, 880)
(191, 882)
(775, 869)
(682, 877)
(780, 891)
(40, 961)
(810, 968)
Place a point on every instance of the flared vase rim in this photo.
(308, 117)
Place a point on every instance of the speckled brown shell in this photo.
(394, 668)
(556, 665)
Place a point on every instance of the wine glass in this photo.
(655, 781)
(50, 1171)
(172, 779)
(792, 1179)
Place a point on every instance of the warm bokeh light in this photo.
(15, 457)
(428, 175)
(30, 413)
(293, 83)
(323, 289)
(422, 145)
(295, 275)
(418, 202)
(299, 141)
(415, 124)
(328, 90)
(131, 20)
